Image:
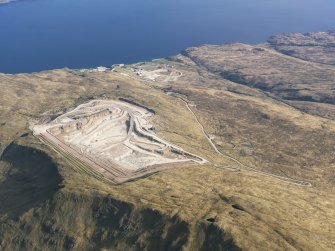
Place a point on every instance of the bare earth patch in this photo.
(114, 138)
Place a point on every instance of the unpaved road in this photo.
(240, 164)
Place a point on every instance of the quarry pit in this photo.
(115, 139)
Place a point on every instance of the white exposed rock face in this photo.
(165, 73)
(113, 137)
(101, 69)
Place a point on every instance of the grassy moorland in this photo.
(251, 101)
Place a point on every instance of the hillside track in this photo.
(241, 166)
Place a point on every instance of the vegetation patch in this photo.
(32, 178)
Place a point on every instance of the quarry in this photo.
(221, 147)
(113, 138)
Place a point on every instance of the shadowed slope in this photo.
(32, 178)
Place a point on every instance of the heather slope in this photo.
(241, 107)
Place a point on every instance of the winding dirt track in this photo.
(240, 164)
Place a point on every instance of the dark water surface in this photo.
(46, 34)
